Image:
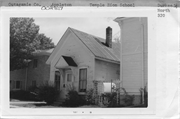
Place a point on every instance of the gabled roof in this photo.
(96, 46)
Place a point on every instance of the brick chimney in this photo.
(109, 37)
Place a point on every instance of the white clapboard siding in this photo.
(81, 55)
(134, 53)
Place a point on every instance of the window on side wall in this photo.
(82, 79)
(16, 85)
(35, 63)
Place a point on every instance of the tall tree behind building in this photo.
(24, 40)
(116, 46)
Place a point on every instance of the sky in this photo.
(56, 27)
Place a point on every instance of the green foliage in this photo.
(90, 98)
(128, 99)
(73, 99)
(110, 99)
(48, 93)
(43, 42)
(25, 39)
(23, 95)
(116, 46)
(117, 40)
(33, 89)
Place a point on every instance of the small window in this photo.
(18, 85)
(34, 83)
(15, 84)
(35, 63)
(69, 77)
(82, 80)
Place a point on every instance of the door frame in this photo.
(66, 82)
(58, 79)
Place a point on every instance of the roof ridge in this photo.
(86, 33)
(107, 52)
(81, 40)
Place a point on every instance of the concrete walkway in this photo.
(28, 104)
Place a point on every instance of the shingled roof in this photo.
(97, 46)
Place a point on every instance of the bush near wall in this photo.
(23, 95)
(110, 99)
(73, 99)
(48, 93)
(90, 97)
(127, 99)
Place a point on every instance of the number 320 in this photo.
(161, 15)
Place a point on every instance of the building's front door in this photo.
(66, 82)
(69, 81)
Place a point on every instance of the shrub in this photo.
(110, 99)
(128, 99)
(23, 95)
(48, 93)
(33, 89)
(90, 98)
(73, 99)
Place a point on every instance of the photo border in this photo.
(79, 12)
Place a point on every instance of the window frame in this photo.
(18, 86)
(14, 85)
(83, 89)
(57, 80)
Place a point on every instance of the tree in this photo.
(24, 40)
(117, 40)
(43, 42)
(116, 46)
